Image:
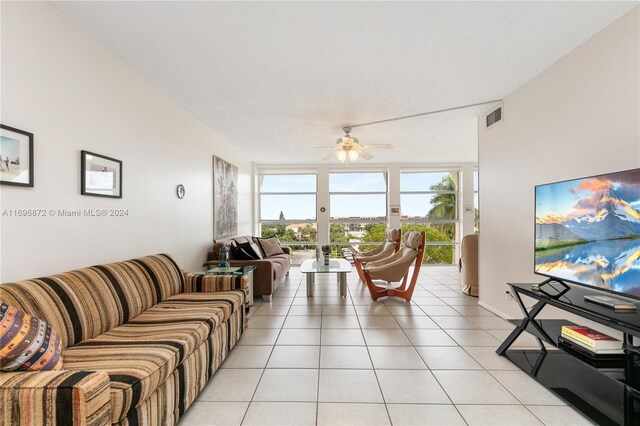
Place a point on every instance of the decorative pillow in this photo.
(270, 246)
(27, 343)
(256, 250)
(245, 251)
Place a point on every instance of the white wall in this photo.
(579, 117)
(74, 94)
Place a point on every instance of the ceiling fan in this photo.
(348, 149)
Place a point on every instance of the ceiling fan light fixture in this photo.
(342, 156)
(353, 155)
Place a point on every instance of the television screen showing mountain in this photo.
(588, 231)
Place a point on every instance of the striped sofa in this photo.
(141, 338)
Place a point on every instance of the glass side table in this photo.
(234, 271)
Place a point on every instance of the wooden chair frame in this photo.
(403, 291)
(358, 263)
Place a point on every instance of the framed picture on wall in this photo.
(225, 199)
(16, 157)
(100, 176)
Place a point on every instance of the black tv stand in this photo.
(555, 293)
(606, 392)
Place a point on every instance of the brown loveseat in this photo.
(140, 340)
(269, 270)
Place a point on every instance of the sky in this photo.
(302, 206)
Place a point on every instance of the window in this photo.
(358, 208)
(429, 202)
(476, 203)
(288, 210)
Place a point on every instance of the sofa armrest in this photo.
(201, 283)
(55, 398)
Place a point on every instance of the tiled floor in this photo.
(332, 361)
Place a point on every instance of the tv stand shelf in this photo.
(608, 392)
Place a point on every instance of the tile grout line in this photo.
(375, 373)
(265, 365)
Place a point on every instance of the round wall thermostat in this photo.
(322, 209)
(180, 191)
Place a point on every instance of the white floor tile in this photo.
(493, 323)
(338, 310)
(439, 310)
(268, 309)
(299, 336)
(497, 415)
(282, 301)
(372, 310)
(231, 385)
(349, 386)
(474, 338)
(411, 386)
(401, 310)
(396, 358)
(288, 385)
(421, 337)
(348, 357)
(455, 323)
(305, 310)
(270, 321)
(247, 357)
(385, 337)
(259, 336)
(447, 358)
(559, 416)
(526, 389)
(473, 387)
(295, 357)
(340, 321)
(423, 414)
(378, 321)
(214, 414)
(352, 414)
(489, 359)
(280, 413)
(416, 322)
(342, 337)
(303, 322)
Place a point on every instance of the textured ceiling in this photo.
(275, 79)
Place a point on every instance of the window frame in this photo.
(312, 222)
(455, 243)
(348, 221)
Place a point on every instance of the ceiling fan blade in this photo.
(364, 155)
(378, 146)
(324, 147)
(330, 156)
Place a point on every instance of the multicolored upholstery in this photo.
(154, 334)
(27, 343)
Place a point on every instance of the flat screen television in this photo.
(587, 231)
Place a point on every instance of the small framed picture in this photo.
(100, 176)
(16, 157)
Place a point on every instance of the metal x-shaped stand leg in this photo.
(529, 317)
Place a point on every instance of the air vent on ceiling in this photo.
(494, 117)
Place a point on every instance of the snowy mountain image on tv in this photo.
(588, 231)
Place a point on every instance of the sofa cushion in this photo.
(27, 343)
(87, 302)
(246, 251)
(139, 356)
(270, 246)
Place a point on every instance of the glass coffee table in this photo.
(311, 267)
(234, 271)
